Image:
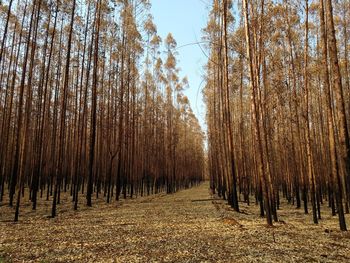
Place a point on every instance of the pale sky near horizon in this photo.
(185, 19)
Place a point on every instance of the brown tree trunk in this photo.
(336, 182)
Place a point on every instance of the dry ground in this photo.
(189, 226)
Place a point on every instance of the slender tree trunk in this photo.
(336, 183)
(61, 155)
(307, 119)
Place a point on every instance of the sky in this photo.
(185, 19)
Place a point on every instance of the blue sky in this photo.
(185, 19)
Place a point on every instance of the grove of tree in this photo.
(90, 105)
(278, 104)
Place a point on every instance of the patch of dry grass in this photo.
(189, 226)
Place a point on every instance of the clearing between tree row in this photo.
(188, 226)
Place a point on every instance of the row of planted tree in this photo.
(278, 98)
(87, 105)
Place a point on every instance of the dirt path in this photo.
(184, 227)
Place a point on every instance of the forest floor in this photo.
(189, 226)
